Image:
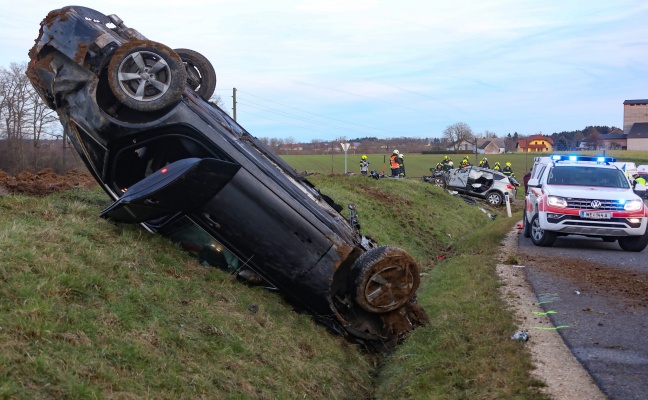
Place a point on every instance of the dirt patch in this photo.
(596, 278)
(44, 182)
(554, 363)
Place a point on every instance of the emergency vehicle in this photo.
(583, 195)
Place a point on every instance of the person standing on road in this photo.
(395, 165)
(637, 180)
(364, 165)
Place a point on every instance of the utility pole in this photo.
(234, 103)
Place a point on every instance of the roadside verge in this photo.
(554, 364)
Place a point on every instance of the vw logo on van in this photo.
(595, 204)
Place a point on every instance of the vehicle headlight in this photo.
(557, 201)
(633, 205)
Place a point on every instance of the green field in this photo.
(418, 165)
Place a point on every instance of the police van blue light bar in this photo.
(598, 159)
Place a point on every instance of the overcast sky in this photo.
(354, 68)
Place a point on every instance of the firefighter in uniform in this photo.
(401, 164)
(465, 163)
(364, 165)
(445, 162)
(395, 165)
(497, 166)
(484, 163)
(508, 171)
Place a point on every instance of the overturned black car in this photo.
(138, 114)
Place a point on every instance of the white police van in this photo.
(584, 195)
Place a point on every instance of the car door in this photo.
(178, 187)
(458, 179)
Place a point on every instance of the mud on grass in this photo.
(44, 182)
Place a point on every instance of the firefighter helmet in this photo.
(396, 152)
(364, 157)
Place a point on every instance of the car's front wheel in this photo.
(634, 243)
(384, 279)
(146, 76)
(539, 236)
(494, 198)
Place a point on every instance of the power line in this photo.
(323, 116)
(286, 123)
(279, 112)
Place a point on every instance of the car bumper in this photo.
(575, 225)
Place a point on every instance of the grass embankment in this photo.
(93, 309)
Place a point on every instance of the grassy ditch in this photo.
(93, 309)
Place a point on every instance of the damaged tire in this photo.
(146, 76)
(201, 76)
(384, 279)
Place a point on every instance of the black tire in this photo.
(384, 279)
(494, 198)
(201, 76)
(526, 226)
(634, 243)
(539, 236)
(146, 76)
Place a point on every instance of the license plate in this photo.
(595, 215)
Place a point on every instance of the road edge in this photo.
(554, 363)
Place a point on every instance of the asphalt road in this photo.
(597, 296)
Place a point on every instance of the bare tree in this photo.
(457, 133)
(218, 101)
(592, 140)
(15, 111)
(488, 134)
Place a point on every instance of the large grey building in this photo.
(635, 123)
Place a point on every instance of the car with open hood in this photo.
(138, 114)
(483, 183)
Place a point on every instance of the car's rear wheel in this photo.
(201, 76)
(634, 243)
(494, 198)
(539, 236)
(146, 76)
(384, 279)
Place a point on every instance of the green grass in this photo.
(418, 165)
(91, 309)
